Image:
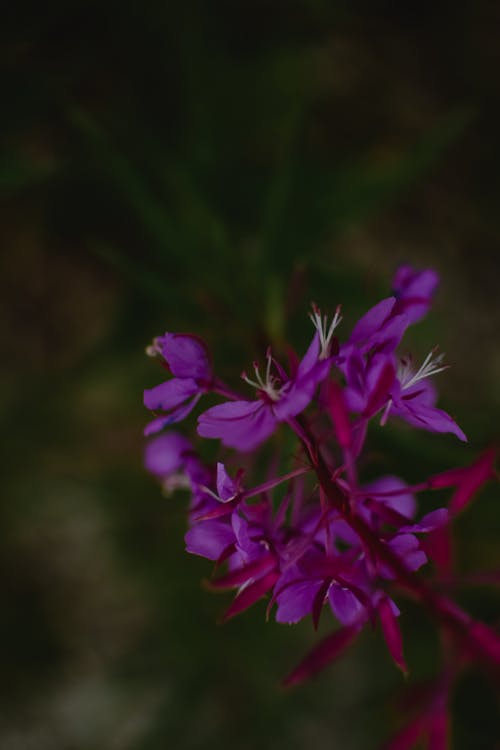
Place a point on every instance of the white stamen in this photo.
(154, 349)
(175, 482)
(430, 366)
(270, 385)
(215, 495)
(325, 333)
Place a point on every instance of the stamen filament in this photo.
(430, 366)
(321, 325)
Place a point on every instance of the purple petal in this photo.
(249, 549)
(226, 488)
(407, 547)
(239, 424)
(414, 291)
(300, 392)
(296, 600)
(310, 358)
(186, 355)
(423, 392)
(429, 522)
(354, 370)
(371, 321)
(428, 418)
(386, 513)
(379, 381)
(164, 454)
(176, 415)
(209, 539)
(346, 607)
(170, 394)
(403, 503)
(390, 334)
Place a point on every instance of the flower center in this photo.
(408, 375)
(320, 322)
(269, 384)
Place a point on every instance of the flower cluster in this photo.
(317, 536)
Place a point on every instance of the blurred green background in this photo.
(213, 167)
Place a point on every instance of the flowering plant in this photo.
(318, 536)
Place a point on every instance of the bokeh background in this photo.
(213, 167)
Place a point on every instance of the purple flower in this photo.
(378, 330)
(413, 397)
(414, 291)
(187, 359)
(172, 459)
(167, 454)
(210, 539)
(369, 382)
(246, 424)
(317, 579)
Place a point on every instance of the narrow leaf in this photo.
(408, 736)
(392, 634)
(250, 595)
(325, 652)
(439, 730)
(318, 602)
(238, 577)
(476, 476)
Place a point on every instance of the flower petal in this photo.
(345, 605)
(296, 600)
(176, 415)
(414, 291)
(370, 323)
(186, 355)
(226, 488)
(427, 417)
(239, 424)
(170, 394)
(209, 539)
(165, 454)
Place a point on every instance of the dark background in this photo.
(212, 167)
